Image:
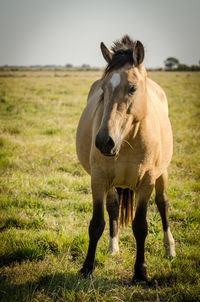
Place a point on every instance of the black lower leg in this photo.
(96, 229)
(162, 204)
(140, 230)
(112, 205)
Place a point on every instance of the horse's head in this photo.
(124, 94)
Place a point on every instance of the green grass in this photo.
(45, 196)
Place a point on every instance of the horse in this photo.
(124, 141)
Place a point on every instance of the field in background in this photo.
(45, 196)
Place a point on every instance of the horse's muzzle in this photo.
(105, 144)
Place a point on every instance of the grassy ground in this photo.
(45, 197)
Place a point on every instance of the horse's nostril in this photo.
(110, 143)
(104, 143)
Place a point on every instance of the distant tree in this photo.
(68, 65)
(183, 67)
(171, 63)
(85, 66)
(195, 68)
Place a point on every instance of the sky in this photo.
(70, 31)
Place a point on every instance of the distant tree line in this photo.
(50, 66)
(173, 64)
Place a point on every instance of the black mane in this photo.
(123, 53)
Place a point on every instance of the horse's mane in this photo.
(123, 53)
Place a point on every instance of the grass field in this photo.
(45, 197)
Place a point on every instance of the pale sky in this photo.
(70, 31)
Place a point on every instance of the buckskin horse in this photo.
(124, 141)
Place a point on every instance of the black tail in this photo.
(126, 197)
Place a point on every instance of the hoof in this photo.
(140, 282)
(140, 279)
(170, 252)
(169, 244)
(140, 276)
(86, 271)
(113, 252)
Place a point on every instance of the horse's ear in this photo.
(107, 53)
(138, 53)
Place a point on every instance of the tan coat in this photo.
(149, 144)
(124, 141)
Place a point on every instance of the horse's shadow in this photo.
(58, 284)
(54, 285)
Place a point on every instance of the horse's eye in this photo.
(131, 90)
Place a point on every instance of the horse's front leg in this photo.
(140, 230)
(96, 226)
(112, 205)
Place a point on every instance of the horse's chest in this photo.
(127, 174)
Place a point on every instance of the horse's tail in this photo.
(126, 197)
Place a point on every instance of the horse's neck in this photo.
(139, 132)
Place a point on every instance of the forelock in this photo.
(123, 53)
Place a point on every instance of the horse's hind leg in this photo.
(112, 205)
(162, 204)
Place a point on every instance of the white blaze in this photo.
(115, 80)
